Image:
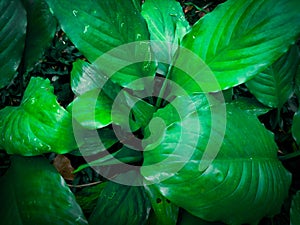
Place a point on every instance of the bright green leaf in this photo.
(96, 27)
(33, 192)
(12, 35)
(295, 210)
(40, 30)
(243, 162)
(237, 41)
(39, 125)
(166, 213)
(122, 205)
(274, 86)
(167, 26)
(92, 109)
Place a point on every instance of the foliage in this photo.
(161, 111)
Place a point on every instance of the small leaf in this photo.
(13, 29)
(236, 41)
(295, 210)
(40, 30)
(166, 213)
(274, 86)
(39, 125)
(32, 192)
(167, 26)
(122, 205)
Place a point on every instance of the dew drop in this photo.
(86, 28)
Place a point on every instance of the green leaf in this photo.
(188, 219)
(166, 213)
(33, 192)
(40, 31)
(251, 105)
(236, 41)
(39, 125)
(86, 77)
(295, 209)
(88, 196)
(123, 155)
(167, 26)
(296, 127)
(120, 204)
(13, 29)
(245, 174)
(92, 109)
(274, 86)
(96, 27)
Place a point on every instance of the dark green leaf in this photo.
(166, 213)
(206, 175)
(188, 219)
(274, 86)
(296, 127)
(122, 205)
(88, 196)
(39, 125)
(295, 210)
(236, 41)
(12, 35)
(251, 105)
(96, 27)
(40, 30)
(167, 26)
(123, 155)
(33, 192)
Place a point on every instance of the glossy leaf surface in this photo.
(167, 26)
(237, 41)
(245, 175)
(295, 209)
(40, 30)
(33, 192)
(274, 86)
(296, 127)
(251, 105)
(39, 125)
(103, 27)
(120, 204)
(12, 35)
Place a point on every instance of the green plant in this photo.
(173, 137)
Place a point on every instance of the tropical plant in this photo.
(155, 112)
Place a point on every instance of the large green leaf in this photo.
(295, 210)
(96, 27)
(121, 205)
(245, 176)
(237, 41)
(39, 125)
(33, 192)
(274, 86)
(12, 35)
(40, 30)
(167, 26)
